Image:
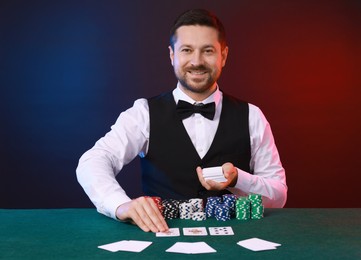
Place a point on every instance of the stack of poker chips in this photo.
(185, 210)
(198, 213)
(222, 208)
(230, 201)
(211, 204)
(170, 208)
(256, 206)
(197, 204)
(243, 208)
(199, 216)
(222, 212)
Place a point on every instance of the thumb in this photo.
(227, 168)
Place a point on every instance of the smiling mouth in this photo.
(197, 72)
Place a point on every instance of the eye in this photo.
(209, 51)
(186, 50)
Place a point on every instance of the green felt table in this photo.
(77, 233)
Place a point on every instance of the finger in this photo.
(230, 173)
(217, 185)
(201, 179)
(129, 212)
(151, 216)
(144, 213)
(229, 178)
(138, 215)
(157, 218)
(228, 170)
(147, 214)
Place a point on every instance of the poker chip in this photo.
(222, 212)
(197, 204)
(255, 199)
(199, 216)
(211, 204)
(257, 208)
(170, 208)
(221, 208)
(185, 210)
(158, 202)
(257, 213)
(243, 208)
(230, 201)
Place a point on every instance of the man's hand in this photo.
(144, 213)
(229, 172)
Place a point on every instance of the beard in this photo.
(194, 84)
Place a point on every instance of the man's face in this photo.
(197, 58)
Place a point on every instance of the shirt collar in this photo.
(216, 97)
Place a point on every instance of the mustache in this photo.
(200, 67)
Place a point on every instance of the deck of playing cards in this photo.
(214, 173)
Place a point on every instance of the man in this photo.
(175, 144)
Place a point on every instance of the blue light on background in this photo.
(58, 76)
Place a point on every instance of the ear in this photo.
(224, 55)
(171, 55)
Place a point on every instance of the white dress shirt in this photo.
(129, 137)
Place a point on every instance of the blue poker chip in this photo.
(222, 212)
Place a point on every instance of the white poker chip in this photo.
(185, 210)
(199, 216)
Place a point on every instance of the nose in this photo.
(197, 58)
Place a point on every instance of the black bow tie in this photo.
(186, 109)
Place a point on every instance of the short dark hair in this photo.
(198, 17)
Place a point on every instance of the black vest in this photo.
(169, 168)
